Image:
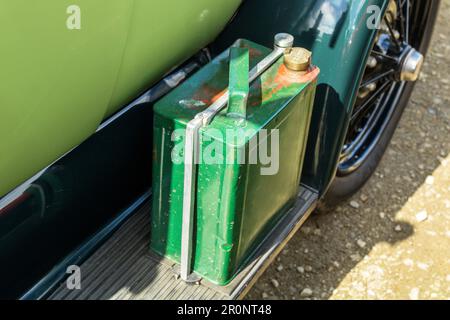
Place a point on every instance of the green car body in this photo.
(59, 84)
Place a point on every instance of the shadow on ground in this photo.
(330, 245)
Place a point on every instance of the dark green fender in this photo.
(337, 34)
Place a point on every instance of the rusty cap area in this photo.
(298, 59)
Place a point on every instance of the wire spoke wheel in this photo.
(391, 70)
(394, 61)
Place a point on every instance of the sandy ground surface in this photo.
(392, 239)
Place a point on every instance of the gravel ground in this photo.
(392, 239)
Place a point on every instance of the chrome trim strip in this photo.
(17, 192)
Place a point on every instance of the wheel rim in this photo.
(392, 61)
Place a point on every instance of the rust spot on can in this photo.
(285, 77)
(208, 94)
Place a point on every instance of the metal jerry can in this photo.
(227, 156)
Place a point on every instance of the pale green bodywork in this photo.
(58, 84)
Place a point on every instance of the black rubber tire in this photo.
(344, 187)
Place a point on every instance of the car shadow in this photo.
(332, 243)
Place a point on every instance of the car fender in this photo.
(340, 35)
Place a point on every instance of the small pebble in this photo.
(308, 268)
(408, 262)
(361, 243)
(280, 268)
(414, 294)
(429, 180)
(354, 204)
(301, 269)
(355, 257)
(265, 295)
(421, 216)
(398, 228)
(306, 230)
(364, 198)
(432, 111)
(382, 215)
(306, 293)
(275, 283)
(423, 266)
(437, 101)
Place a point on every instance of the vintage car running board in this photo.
(123, 268)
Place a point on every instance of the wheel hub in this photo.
(411, 65)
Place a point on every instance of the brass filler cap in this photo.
(297, 59)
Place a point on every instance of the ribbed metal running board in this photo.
(123, 268)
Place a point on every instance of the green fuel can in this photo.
(228, 151)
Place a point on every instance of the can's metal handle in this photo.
(238, 86)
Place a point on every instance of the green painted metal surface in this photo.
(235, 203)
(57, 84)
